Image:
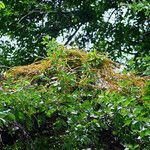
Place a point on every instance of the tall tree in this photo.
(119, 27)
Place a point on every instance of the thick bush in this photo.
(73, 100)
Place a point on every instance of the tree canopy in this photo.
(118, 27)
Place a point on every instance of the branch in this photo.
(3, 66)
(128, 52)
(70, 38)
(111, 14)
(24, 16)
(45, 12)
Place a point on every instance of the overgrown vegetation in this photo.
(74, 100)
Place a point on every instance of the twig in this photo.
(70, 38)
(111, 15)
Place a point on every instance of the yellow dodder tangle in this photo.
(104, 69)
(29, 70)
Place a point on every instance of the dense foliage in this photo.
(74, 100)
(68, 98)
(120, 27)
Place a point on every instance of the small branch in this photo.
(70, 38)
(3, 66)
(44, 12)
(111, 15)
(128, 52)
(25, 16)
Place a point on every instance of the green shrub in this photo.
(64, 109)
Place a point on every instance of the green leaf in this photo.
(2, 5)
